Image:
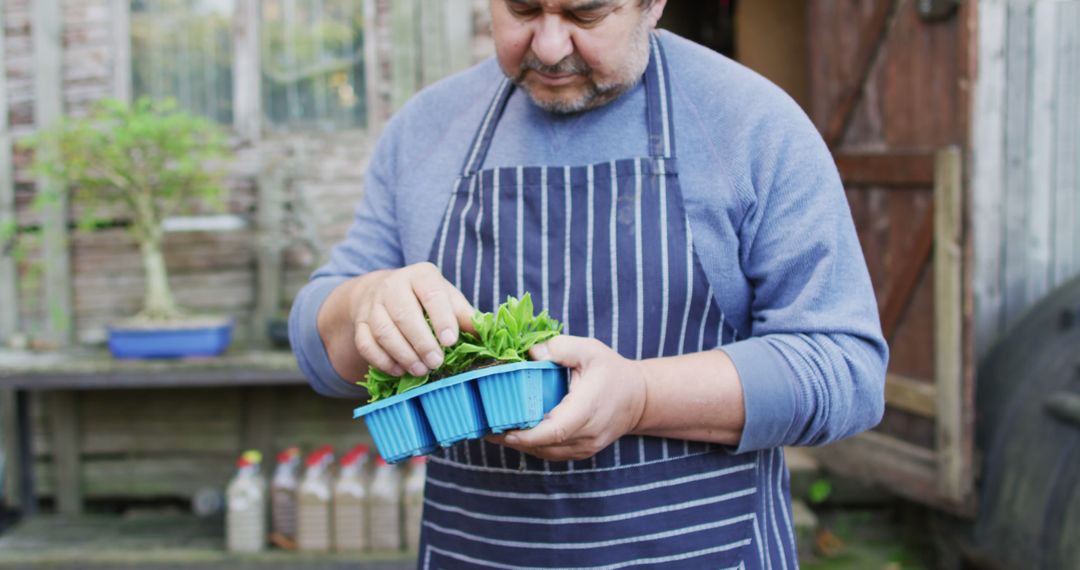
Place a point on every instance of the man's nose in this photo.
(552, 41)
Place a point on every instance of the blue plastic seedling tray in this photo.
(466, 406)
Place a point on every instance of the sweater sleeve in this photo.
(372, 243)
(813, 366)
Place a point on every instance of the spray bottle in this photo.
(283, 499)
(313, 533)
(351, 502)
(245, 524)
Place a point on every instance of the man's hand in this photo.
(606, 400)
(379, 319)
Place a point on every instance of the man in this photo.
(663, 202)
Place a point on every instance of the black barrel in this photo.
(1028, 430)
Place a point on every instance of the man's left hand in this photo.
(606, 400)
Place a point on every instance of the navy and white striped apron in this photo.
(606, 248)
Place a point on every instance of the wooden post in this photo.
(9, 280)
(121, 30)
(405, 79)
(48, 108)
(458, 30)
(271, 243)
(376, 111)
(954, 481)
(988, 160)
(434, 62)
(10, 436)
(247, 78)
(67, 465)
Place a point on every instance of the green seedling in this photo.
(502, 337)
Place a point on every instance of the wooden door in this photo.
(889, 89)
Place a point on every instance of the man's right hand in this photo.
(378, 319)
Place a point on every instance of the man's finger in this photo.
(408, 316)
(463, 310)
(373, 353)
(386, 333)
(434, 294)
(560, 426)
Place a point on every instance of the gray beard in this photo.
(596, 95)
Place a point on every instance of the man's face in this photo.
(573, 55)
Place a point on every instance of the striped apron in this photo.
(606, 248)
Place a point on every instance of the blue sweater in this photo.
(767, 210)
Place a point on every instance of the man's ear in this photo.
(655, 11)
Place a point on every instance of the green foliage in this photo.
(150, 159)
(819, 491)
(502, 337)
(145, 162)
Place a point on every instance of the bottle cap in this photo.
(418, 460)
(379, 461)
(253, 456)
(318, 456)
(350, 458)
(288, 454)
(361, 449)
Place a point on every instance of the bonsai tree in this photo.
(146, 161)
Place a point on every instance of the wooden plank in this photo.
(1066, 238)
(894, 169)
(871, 41)
(86, 369)
(902, 287)
(48, 108)
(64, 433)
(9, 285)
(912, 396)
(988, 160)
(247, 77)
(1041, 152)
(1017, 95)
(120, 16)
(145, 477)
(405, 77)
(954, 457)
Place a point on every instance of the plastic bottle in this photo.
(351, 503)
(313, 532)
(413, 501)
(283, 498)
(245, 519)
(385, 493)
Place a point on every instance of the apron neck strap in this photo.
(657, 112)
(658, 102)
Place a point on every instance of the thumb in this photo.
(565, 350)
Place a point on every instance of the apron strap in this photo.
(658, 103)
(484, 134)
(657, 112)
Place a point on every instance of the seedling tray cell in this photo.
(465, 406)
(455, 413)
(401, 430)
